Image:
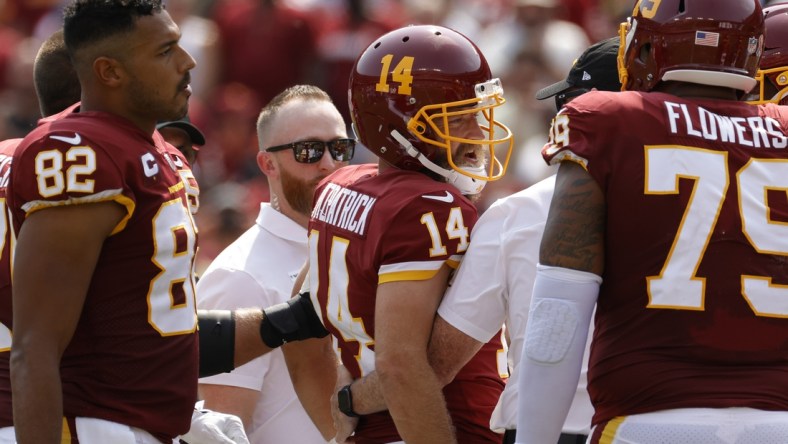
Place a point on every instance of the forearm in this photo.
(368, 395)
(449, 350)
(250, 332)
(555, 339)
(248, 344)
(312, 368)
(229, 339)
(415, 400)
(293, 320)
(38, 399)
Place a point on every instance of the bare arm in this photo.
(312, 366)
(344, 425)
(300, 279)
(575, 231)
(565, 292)
(56, 255)
(449, 350)
(248, 344)
(404, 314)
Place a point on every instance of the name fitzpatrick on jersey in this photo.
(755, 131)
(343, 208)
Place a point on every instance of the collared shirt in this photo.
(494, 284)
(258, 270)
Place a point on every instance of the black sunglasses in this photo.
(562, 98)
(311, 151)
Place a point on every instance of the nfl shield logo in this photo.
(752, 45)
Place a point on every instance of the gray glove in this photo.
(209, 427)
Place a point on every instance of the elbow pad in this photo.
(294, 320)
(217, 341)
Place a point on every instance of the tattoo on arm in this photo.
(575, 230)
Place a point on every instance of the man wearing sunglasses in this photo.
(383, 241)
(302, 139)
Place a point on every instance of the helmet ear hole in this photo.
(708, 42)
(645, 53)
(773, 69)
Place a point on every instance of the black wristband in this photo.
(217, 341)
(345, 401)
(294, 320)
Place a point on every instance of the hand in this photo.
(209, 427)
(344, 425)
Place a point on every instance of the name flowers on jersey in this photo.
(344, 208)
(755, 131)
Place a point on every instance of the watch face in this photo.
(345, 401)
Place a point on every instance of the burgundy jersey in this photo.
(133, 357)
(394, 226)
(7, 148)
(693, 308)
(473, 394)
(184, 170)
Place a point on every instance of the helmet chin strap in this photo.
(465, 184)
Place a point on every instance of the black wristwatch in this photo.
(345, 401)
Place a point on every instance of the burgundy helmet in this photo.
(772, 76)
(710, 42)
(408, 83)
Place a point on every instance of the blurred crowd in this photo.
(247, 51)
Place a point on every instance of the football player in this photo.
(667, 217)
(57, 87)
(494, 283)
(423, 100)
(184, 135)
(104, 345)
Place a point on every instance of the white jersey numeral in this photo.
(53, 181)
(678, 286)
(171, 301)
(455, 229)
(338, 312)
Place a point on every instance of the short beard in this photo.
(141, 99)
(298, 193)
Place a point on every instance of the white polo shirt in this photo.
(494, 286)
(258, 270)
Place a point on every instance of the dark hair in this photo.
(86, 22)
(56, 82)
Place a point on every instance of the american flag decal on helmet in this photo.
(705, 38)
